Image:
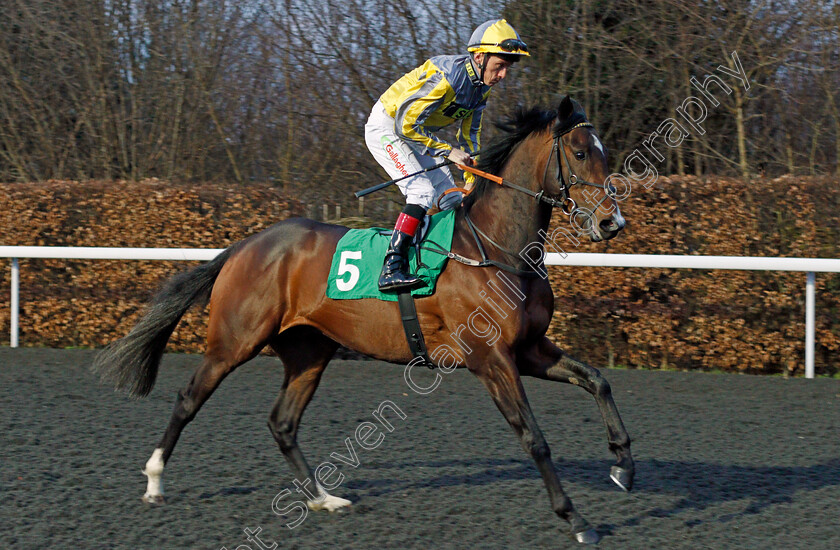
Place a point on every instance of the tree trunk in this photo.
(741, 132)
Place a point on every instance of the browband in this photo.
(578, 125)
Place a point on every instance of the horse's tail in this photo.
(131, 363)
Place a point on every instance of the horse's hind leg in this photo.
(225, 352)
(502, 381)
(305, 353)
(549, 362)
(190, 399)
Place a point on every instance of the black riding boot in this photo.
(395, 274)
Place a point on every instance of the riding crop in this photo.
(375, 188)
(383, 185)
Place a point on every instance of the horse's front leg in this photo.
(549, 362)
(500, 376)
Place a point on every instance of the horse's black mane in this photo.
(515, 129)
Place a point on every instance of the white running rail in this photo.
(89, 253)
(806, 265)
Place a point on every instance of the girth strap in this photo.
(411, 325)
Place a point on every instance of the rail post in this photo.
(809, 324)
(15, 301)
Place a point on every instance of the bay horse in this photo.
(270, 290)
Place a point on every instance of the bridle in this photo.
(565, 197)
(562, 202)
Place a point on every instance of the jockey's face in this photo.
(496, 69)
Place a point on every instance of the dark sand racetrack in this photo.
(722, 461)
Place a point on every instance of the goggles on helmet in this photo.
(509, 45)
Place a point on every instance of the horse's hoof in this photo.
(328, 502)
(154, 499)
(623, 478)
(589, 536)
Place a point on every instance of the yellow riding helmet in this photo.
(497, 36)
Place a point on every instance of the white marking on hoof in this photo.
(154, 471)
(329, 502)
(326, 501)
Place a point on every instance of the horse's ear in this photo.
(566, 108)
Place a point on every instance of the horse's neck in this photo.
(509, 217)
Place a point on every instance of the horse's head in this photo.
(581, 179)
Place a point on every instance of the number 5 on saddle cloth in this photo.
(354, 272)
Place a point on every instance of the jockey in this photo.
(400, 132)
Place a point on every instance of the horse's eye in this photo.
(580, 155)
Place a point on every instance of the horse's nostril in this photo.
(608, 225)
(611, 225)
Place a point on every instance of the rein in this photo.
(562, 202)
(485, 259)
(565, 199)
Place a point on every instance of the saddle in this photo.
(358, 258)
(357, 261)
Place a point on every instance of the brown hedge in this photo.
(649, 318)
(89, 303)
(743, 321)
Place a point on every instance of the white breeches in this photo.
(398, 159)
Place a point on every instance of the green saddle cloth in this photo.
(359, 255)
